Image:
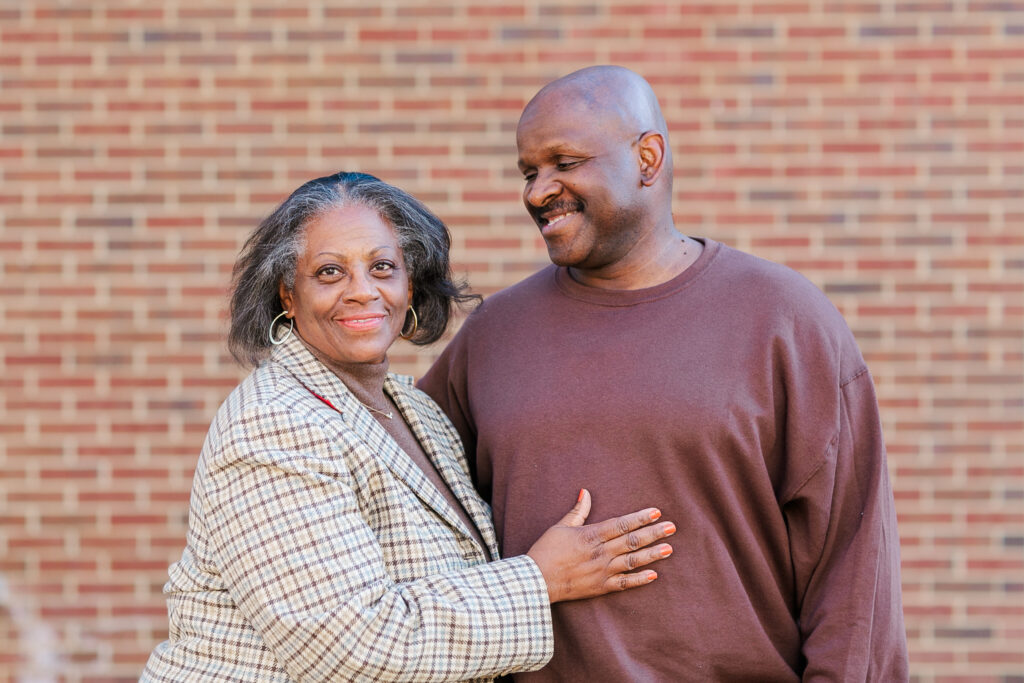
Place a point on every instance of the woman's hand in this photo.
(586, 561)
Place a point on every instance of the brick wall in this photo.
(878, 147)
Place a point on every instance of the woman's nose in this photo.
(361, 288)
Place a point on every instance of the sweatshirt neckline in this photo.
(629, 297)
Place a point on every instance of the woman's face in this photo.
(351, 288)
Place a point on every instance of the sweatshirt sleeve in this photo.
(306, 570)
(846, 552)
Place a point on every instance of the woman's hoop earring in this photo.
(415, 325)
(291, 326)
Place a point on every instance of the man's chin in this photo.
(567, 251)
(560, 257)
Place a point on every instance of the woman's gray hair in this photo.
(269, 258)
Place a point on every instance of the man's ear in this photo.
(286, 299)
(652, 157)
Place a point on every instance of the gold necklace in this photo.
(389, 414)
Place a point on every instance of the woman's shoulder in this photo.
(270, 406)
(268, 388)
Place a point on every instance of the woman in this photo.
(334, 533)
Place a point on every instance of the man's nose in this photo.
(542, 189)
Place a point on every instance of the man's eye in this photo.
(566, 165)
(529, 176)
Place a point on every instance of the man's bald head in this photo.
(605, 95)
(594, 155)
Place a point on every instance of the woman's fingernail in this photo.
(665, 550)
(669, 529)
(651, 576)
(655, 514)
(579, 497)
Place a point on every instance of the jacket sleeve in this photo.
(308, 572)
(846, 552)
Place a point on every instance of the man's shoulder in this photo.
(540, 282)
(769, 281)
(512, 299)
(757, 266)
(782, 299)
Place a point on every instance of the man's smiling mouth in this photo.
(558, 218)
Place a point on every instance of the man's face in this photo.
(582, 173)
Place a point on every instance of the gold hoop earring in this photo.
(415, 325)
(291, 326)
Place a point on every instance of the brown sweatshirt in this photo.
(734, 398)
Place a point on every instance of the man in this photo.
(656, 369)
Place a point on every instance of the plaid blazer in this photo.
(318, 550)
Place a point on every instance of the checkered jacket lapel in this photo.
(442, 445)
(436, 436)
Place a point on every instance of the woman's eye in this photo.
(329, 271)
(383, 267)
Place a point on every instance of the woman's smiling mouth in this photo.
(362, 323)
